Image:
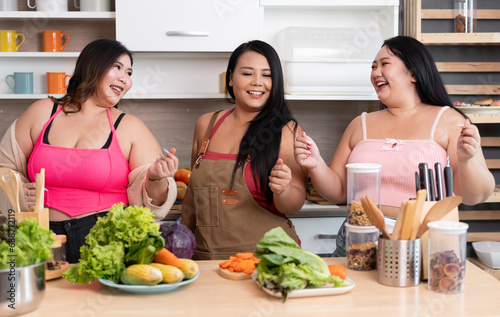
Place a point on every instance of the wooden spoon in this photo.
(40, 187)
(376, 216)
(396, 232)
(408, 220)
(10, 184)
(421, 196)
(437, 212)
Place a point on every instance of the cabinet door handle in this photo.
(188, 33)
(327, 236)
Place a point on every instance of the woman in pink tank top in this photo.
(417, 123)
(93, 155)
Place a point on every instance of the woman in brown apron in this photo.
(245, 180)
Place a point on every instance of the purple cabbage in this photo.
(178, 239)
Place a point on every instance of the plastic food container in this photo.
(361, 246)
(447, 255)
(363, 179)
(331, 61)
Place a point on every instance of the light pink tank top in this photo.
(399, 160)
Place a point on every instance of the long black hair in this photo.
(419, 61)
(261, 142)
(91, 67)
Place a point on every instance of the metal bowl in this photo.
(21, 289)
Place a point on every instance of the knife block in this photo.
(42, 216)
(451, 216)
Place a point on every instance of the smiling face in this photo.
(116, 82)
(390, 77)
(251, 80)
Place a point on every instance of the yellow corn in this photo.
(170, 273)
(141, 274)
(189, 268)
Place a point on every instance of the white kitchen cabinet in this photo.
(318, 234)
(186, 26)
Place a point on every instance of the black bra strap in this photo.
(117, 122)
(46, 135)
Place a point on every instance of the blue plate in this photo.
(147, 289)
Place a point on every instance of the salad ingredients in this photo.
(141, 274)
(115, 240)
(338, 270)
(178, 239)
(284, 266)
(242, 262)
(189, 268)
(170, 273)
(166, 257)
(28, 241)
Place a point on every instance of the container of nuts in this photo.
(363, 179)
(361, 246)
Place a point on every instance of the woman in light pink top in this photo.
(417, 123)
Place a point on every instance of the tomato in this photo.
(339, 270)
(183, 175)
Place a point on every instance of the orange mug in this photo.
(56, 83)
(53, 40)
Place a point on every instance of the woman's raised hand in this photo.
(165, 166)
(469, 142)
(280, 177)
(306, 151)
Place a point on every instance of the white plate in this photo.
(478, 109)
(147, 289)
(314, 291)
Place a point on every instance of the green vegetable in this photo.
(25, 244)
(284, 266)
(122, 237)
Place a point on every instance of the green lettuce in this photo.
(121, 238)
(26, 244)
(284, 266)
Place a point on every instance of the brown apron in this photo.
(228, 220)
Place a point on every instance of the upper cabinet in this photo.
(186, 26)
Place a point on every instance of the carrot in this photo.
(242, 262)
(339, 270)
(164, 256)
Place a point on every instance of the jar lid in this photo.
(364, 167)
(361, 229)
(448, 227)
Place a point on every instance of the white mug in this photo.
(49, 6)
(93, 5)
(8, 5)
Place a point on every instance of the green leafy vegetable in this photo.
(121, 238)
(25, 244)
(284, 266)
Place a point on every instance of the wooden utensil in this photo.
(437, 212)
(419, 206)
(396, 232)
(375, 215)
(9, 181)
(408, 220)
(40, 187)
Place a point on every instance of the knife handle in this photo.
(431, 185)
(424, 178)
(448, 180)
(439, 181)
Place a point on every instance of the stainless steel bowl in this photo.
(21, 289)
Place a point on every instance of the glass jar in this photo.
(363, 179)
(465, 16)
(447, 255)
(361, 246)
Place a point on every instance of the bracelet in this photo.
(155, 180)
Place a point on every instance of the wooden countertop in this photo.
(212, 295)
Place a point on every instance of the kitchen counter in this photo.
(212, 295)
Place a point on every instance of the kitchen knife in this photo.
(439, 181)
(424, 178)
(448, 181)
(431, 185)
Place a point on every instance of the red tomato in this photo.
(183, 175)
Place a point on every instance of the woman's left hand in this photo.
(468, 142)
(165, 166)
(280, 177)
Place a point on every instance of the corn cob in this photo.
(141, 274)
(170, 273)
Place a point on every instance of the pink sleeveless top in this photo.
(80, 180)
(399, 160)
(252, 187)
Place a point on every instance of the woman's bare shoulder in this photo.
(38, 112)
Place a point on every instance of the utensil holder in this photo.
(42, 216)
(399, 262)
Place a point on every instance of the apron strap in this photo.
(206, 138)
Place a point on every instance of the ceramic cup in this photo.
(49, 6)
(56, 82)
(8, 5)
(23, 83)
(53, 40)
(8, 40)
(93, 5)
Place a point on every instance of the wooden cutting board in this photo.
(235, 276)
